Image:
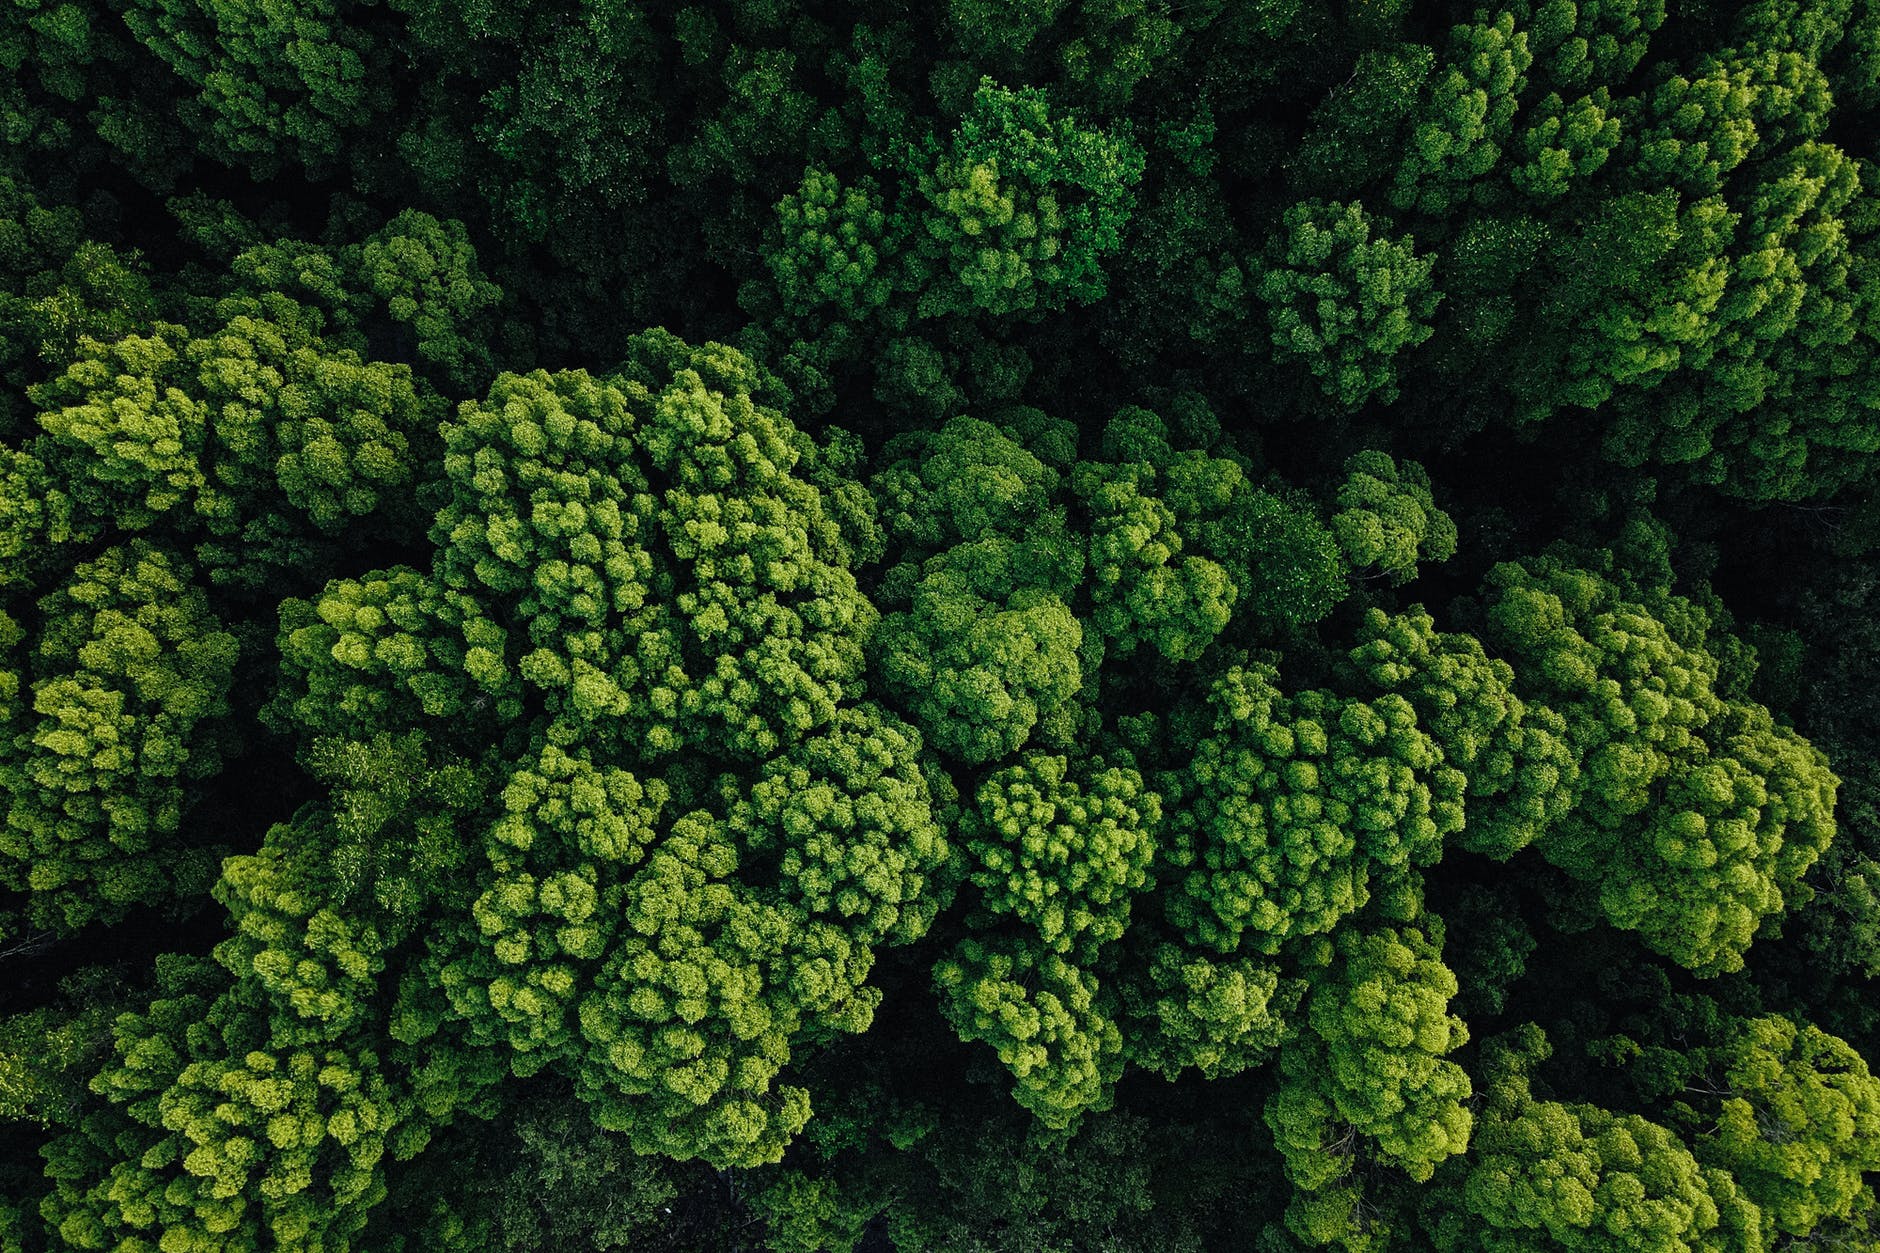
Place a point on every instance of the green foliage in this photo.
(717, 609)
(373, 654)
(543, 117)
(1220, 1016)
(425, 274)
(1291, 804)
(1519, 768)
(830, 248)
(955, 771)
(1056, 861)
(1548, 1174)
(1344, 303)
(1058, 855)
(274, 85)
(986, 651)
(980, 672)
(1040, 1013)
(199, 434)
(1466, 115)
(1695, 817)
(1798, 1122)
(1370, 1064)
(1353, 136)
(849, 818)
(689, 1020)
(1386, 517)
(1181, 541)
(129, 691)
(57, 288)
(1024, 206)
(1568, 141)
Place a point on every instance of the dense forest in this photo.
(1138, 626)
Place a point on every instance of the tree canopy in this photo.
(1064, 625)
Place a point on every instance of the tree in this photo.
(1520, 770)
(1576, 1176)
(716, 610)
(848, 819)
(1694, 817)
(978, 671)
(1370, 1064)
(129, 699)
(986, 649)
(1467, 112)
(1289, 806)
(1343, 303)
(1797, 1118)
(1023, 207)
(1056, 858)
(291, 84)
(1387, 518)
(200, 434)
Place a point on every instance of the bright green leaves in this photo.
(214, 1135)
(1543, 1174)
(1588, 41)
(979, 674)
(384, 652)
(986, 650)
(1290, 803)
(568, 832)
(413, 286)
(691, 1014)
(1777, 408)
(1056, 859)
(1520, 771)
(1567, 141)
(1798, 1122)
(1023, 206)
(260, 1107)
(141, 437)
(1144, 593)
(600, 814)
(1343, 298)
(829, 252)
(1693, 816)
(1040, 1013)
(1220, 1016)
(315, 966)
(848, 818)
(129, 687)
(1387, 519)
(1468, 110)
(1061, 855)
(1371, 1062)
(340, 430)
(199, 433)
(1143, 588)
(713, 609)
(549, 510)
(262, 1124)
(968, 481)
(628, 569)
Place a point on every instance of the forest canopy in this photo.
(1067, 625)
